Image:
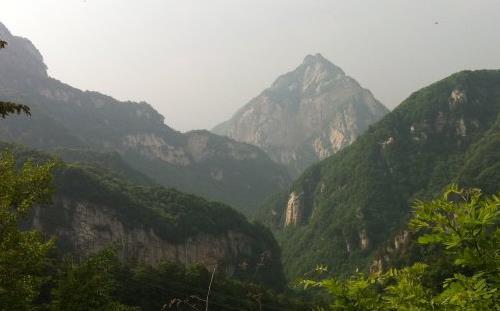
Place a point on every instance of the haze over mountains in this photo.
(306, 115)
(120, 154)
(166, 201)
(64, 117)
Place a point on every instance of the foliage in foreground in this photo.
(34, 277)
(465, 224)
(23, 254)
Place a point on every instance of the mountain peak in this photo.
(316, 58)
(306, 115)
(309, 76)
(316, 69)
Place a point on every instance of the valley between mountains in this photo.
(313, 172)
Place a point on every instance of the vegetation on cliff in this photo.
(173, 216)
(353, 202)
(463, 226)
(35, 276)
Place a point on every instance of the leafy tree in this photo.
(404, 289)
(170, 286)
(7, 108)
(462, 222)
(23, 254)
(355, 293)
(467, 225)
(88, 286)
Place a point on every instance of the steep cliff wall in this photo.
(93, 209)
(88, 228)
(294, 210)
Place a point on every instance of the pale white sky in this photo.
(197, 62)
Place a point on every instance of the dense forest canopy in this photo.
(353, 203)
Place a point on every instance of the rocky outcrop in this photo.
(364, 242)
(155, 147)
(400, 249)
(306, 115)
(294, 210)
(93, 209)
(89, 228)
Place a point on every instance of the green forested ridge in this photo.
(174, 216)
(463, 224)
(108, 161)
(347, 212)
(185, 289)
(35, 278)
(102, 282)
(447, 132)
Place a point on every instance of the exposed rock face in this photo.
(92, 228)
(400, 246)
(199, 162)
(155, 147)
(293, 213)
(457, 98)
(364, 242)
(306, 115)
(93, 209)
(401, 240)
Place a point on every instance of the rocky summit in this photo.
(306, 115)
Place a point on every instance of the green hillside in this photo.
(353, 202)
(91, 202)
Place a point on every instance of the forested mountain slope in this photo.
(340, 211)
(93, 209)
(216, 167)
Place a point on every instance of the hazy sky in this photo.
(199, 61)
